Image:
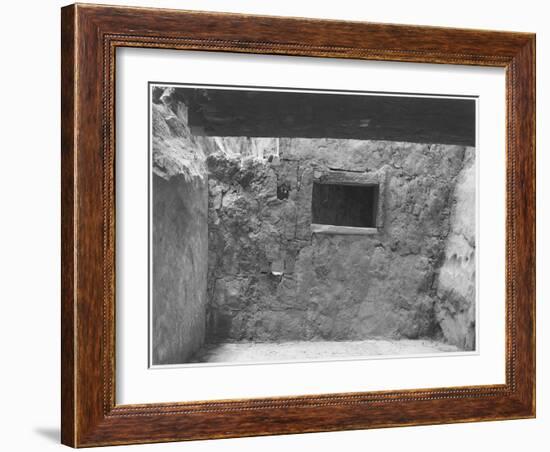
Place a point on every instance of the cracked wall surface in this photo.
(456, 289)
(269, 278)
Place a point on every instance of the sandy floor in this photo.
(243, 352)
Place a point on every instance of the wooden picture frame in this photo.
(90, 36)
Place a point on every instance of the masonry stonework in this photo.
(270, 278)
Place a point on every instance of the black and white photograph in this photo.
(294, 225)
(266, 226)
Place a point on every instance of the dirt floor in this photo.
(246, 352)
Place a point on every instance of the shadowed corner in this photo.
(50, 433)
(300, 241)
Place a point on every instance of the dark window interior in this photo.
(345, 205)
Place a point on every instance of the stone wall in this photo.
(455, 308)
(179, 239)
(269, 278)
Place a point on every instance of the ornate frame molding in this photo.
(90, 37)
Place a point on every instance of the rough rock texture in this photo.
(455, 309)
(180, 239)
(270, 279)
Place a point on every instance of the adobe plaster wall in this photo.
(272, 279)
(179, 240)
(269, 278)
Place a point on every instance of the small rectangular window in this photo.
(345, 205)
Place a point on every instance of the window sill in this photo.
(343, 230)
